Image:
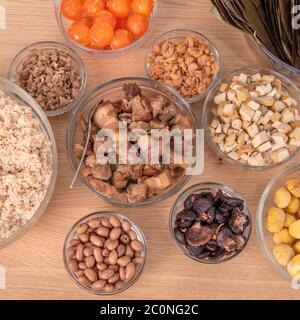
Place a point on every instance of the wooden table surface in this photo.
(34, 264)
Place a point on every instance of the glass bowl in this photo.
(270, 60)
(52, 45)
(213, 188)
(64, 23)
(266, 201)
(140, 237)
(287, 85)
(112, 90)
(178, 34)
(22, 97)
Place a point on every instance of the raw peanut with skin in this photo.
(115, 233)
(132, 235)
(124, 238)
(106, 274)
(138, 260)
(90, 230)
(106, 242)
(90, 274)
(82, 228)
(74, 242)
(88, 251)
(88, 245)
(114, 278)
(94, 223)
(114, 267)
(109, 287)
(115, 221)
(97, 241)
(79, 252)
(120, 284)
(129, 271)
(99, 285)
(126, 226)
(124, 261)
(73, 265)
(79, 273)
(121, 250)
(105, 253)
(122, 273)
(90, 261)
(84, 237)
(82, 265)
(136, 245)
(106, 223)
(85, 281)
(112, 244)
(129, 252)
(113, 257)
(101, 266)
(71, 252)
(102, 231)
(137, 254)
(98, 255)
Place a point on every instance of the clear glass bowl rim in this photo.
(202, 187)
(260, 219)
(86, 98)
(57, 45)
(105, 53)
(10, 87)
(103, 214)
(178, 33)
(273, 57)
(207, 108)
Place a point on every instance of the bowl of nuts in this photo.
(210, 223)
(185, 60)
(251, 118)
(144, 107)
(104, 253)
(278, 222)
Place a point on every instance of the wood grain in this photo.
(34, 263)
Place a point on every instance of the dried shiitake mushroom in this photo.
(225, 240)
(198, 235)
(212, 226)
